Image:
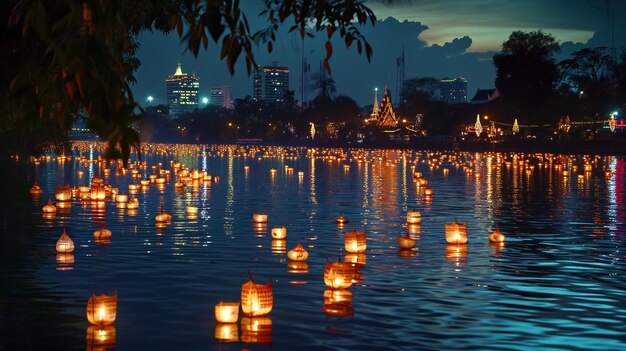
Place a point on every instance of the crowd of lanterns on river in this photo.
(256, 300)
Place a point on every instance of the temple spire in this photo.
(375, 109)
(179, 70)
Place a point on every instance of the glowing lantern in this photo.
(406, 242)
(65, 243)
(259, 218)
(133, 188)
(145, 183)
(121, 198)
(163, 216)
(192, 211)
(49, 207)
(102, 309)
(338, 275)
(63, 193)
(226, 332)
(101, 338)
(256, 330)
(102, 233)
(428, 191)
(279, 232)
(355, 241)
(456, 233)
(496, 236)
(133, 203)
(36, 189)
(256, 299)
(159, 181)
(279, 246)
(587, 167)
(298, 253)
(341, 220)
(413, 217)
(97, 193)
(227, 312)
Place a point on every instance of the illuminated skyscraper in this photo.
(182, 92)
(454, 90)
(220, 96)
(271, 84)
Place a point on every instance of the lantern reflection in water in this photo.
(227, 312)
(298, 253)
(341, 220)
(408, 252)
(256, 299)
(355, 241)
(338, 275)
(297, 267)
(414, 230)
(227, 332)
(413, 217)
(260, 229)
(279, 247)
(338, 303)
(257, 330)
(456, 233)
(102, 309)
(456, 254)
(101, 338)
(65, 261)
(497, 248)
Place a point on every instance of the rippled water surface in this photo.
(557, 283)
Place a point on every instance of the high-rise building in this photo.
(182, 92)
(220, 96)
(271, 84)
(454, 90)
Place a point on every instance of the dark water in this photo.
(558, 283)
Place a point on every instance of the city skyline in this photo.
(416, 25)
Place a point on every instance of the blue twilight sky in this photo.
(440, 38)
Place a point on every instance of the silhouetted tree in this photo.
(526, 73)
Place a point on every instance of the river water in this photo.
(557, 283)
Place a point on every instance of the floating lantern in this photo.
(102, 309)
(355, 241)
(297, 267)
(160, 181)
(279, 246)
(227, 312)
(121, 198)
(246, 168)
(101, 338)
(256, 299)
(192, 211)
(279, 233)
(133, 203)
(102, 233)
(496, 236)
(36, 189)
(456, 233)
(63, 193)
(49, 207)
(413, 217)
(256, 330)
(406, 242)
(163, 216)
(227, 332)
(133, 187)
(338, 275)
(259, 218)
(341, 220)
(428, 191)
(298, 253)
(65, 243)
(145, 183)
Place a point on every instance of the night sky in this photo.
(441, 38)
